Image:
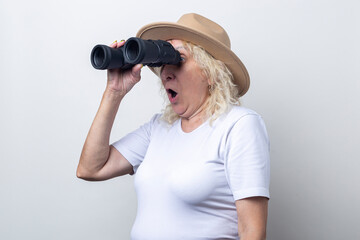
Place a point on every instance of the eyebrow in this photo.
(180, 47)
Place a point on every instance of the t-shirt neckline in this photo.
(181, 131)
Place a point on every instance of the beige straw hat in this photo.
(205, 33)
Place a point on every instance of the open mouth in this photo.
(172, 93)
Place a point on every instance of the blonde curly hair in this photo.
(222, 91)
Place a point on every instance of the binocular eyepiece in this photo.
(153, 53)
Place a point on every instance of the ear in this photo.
(209, 81)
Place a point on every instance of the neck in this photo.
(188, 124)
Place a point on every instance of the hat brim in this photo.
(169, 30)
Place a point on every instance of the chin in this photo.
(178, 110)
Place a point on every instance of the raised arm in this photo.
(99, 160)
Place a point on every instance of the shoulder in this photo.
(156, 118)
(241, 122)
(238, 113)
(157, 124)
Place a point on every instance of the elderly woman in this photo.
(202, 166)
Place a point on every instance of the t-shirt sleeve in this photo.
(247, 160)
(134, 145)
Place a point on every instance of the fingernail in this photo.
(142, 65)
(115, 41)
(123, 40)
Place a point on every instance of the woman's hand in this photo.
(121, 81)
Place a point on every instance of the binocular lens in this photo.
(99, 57)
(132, 50)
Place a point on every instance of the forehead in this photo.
(177, 44)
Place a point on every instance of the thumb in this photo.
(136, 70)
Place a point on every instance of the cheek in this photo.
(196, 93)
(197, 78)
(201, 85)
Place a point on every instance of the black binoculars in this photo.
(153, 53)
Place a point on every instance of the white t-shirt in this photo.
(187, 183)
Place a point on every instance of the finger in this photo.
(113, 45)
(121, 43)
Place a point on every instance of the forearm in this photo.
(96, 148)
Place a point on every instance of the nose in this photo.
(167, 73)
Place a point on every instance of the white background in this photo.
(304, 61)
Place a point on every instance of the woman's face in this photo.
(185, 84)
